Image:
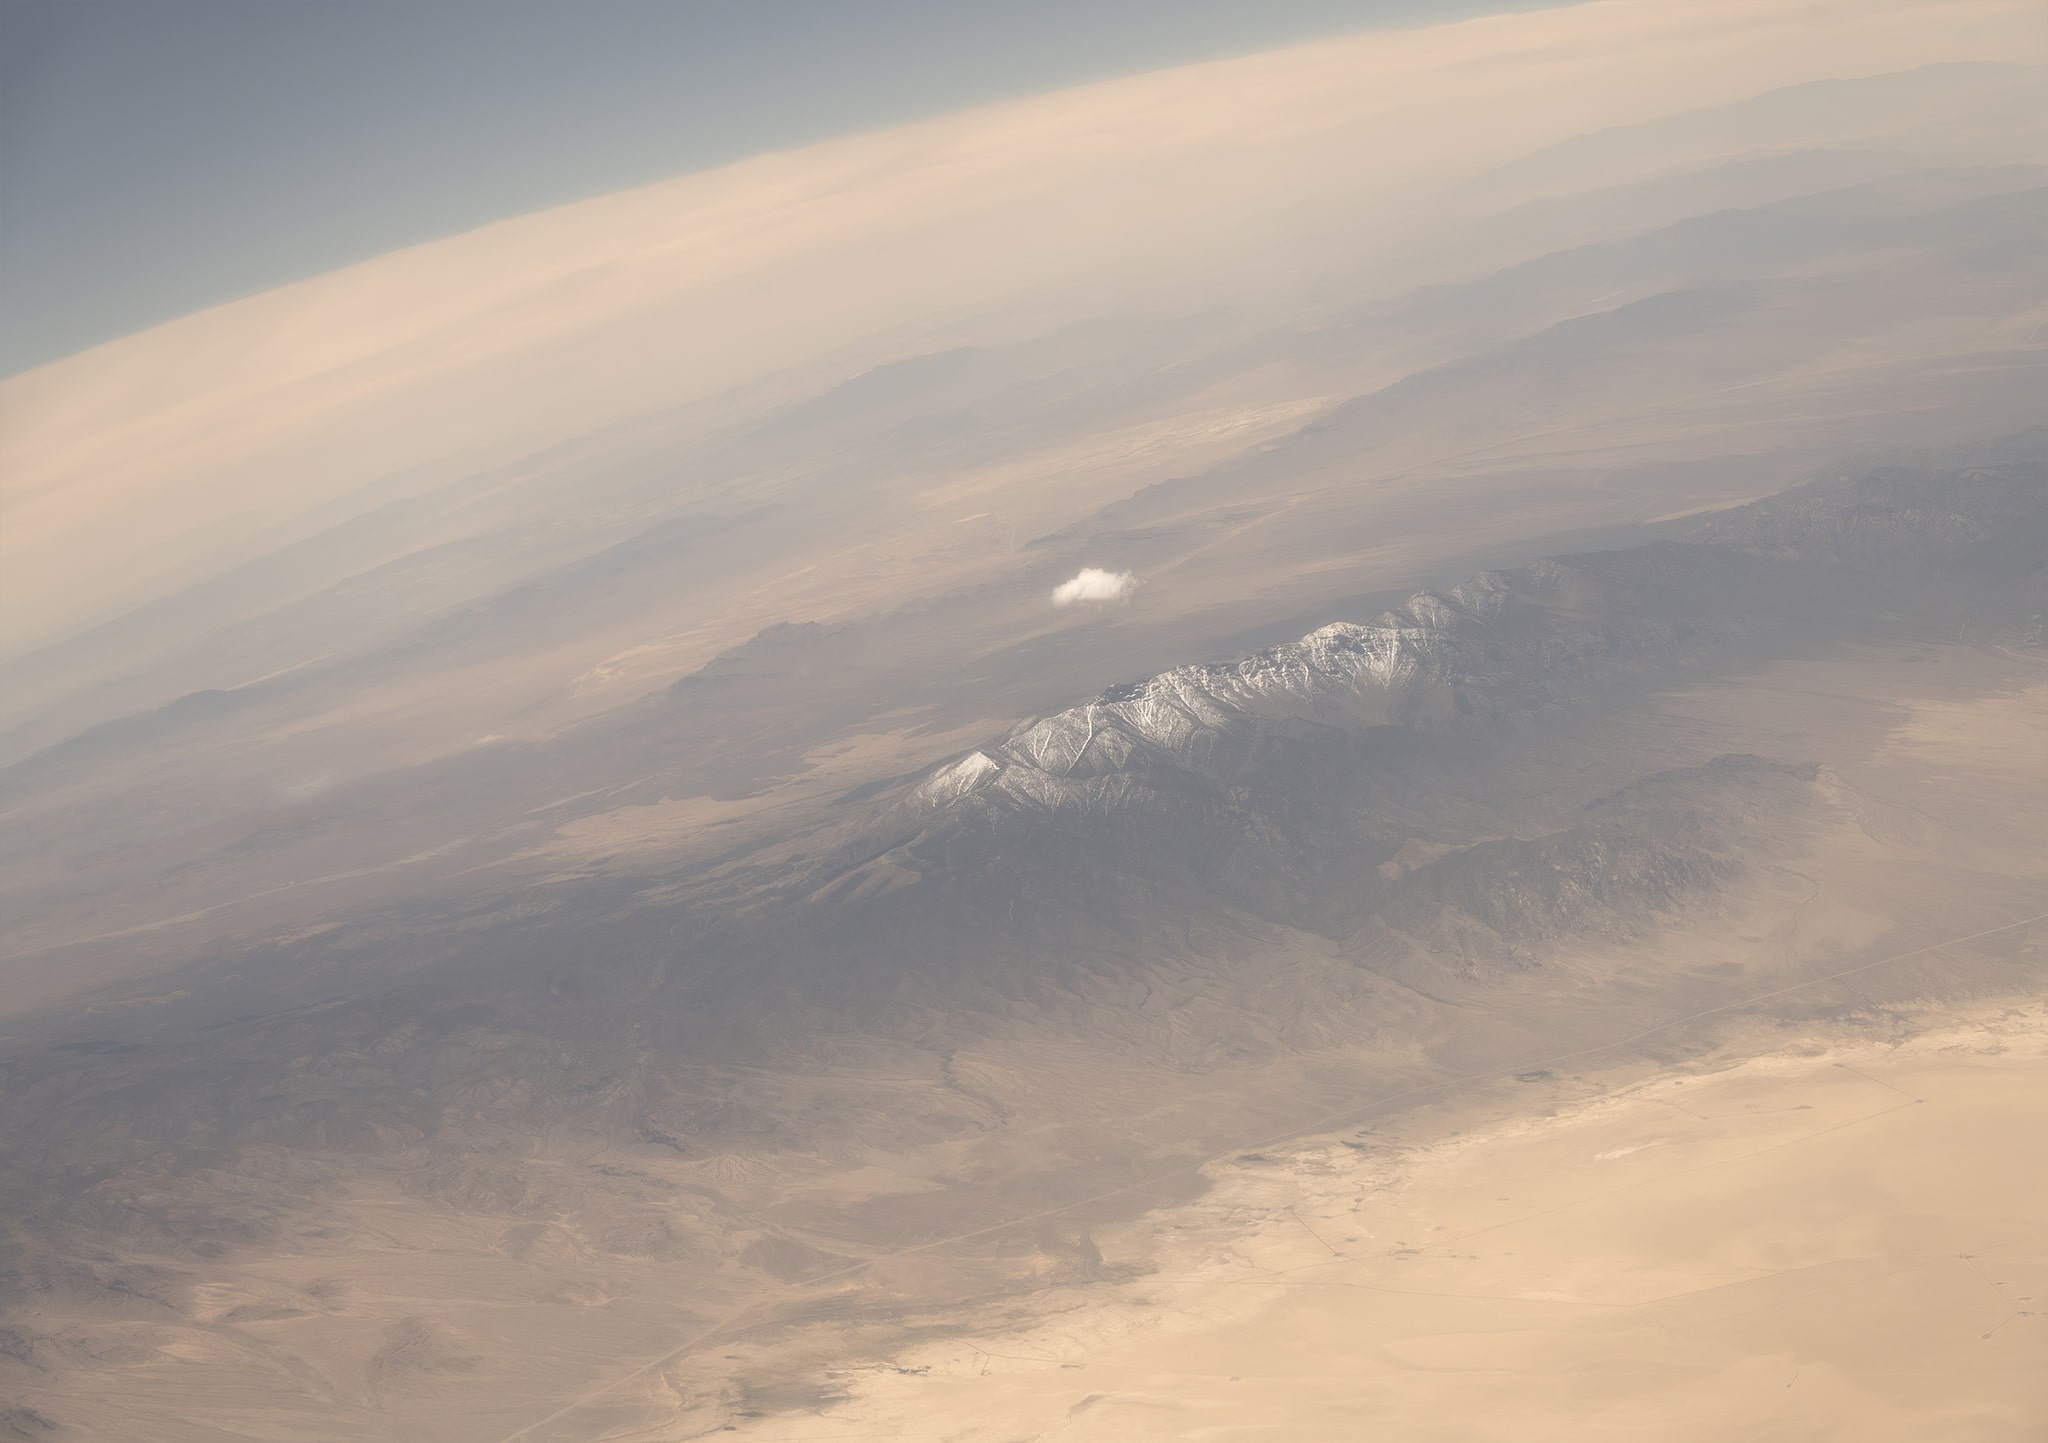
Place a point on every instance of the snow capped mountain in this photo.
(1422, 661)
(1243, 778)
(1508, 640)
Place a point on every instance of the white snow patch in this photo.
(950, 783)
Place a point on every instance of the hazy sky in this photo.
(164, 155)
(1252, 182)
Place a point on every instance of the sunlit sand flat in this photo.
(1831, 1241)
(1346, 741)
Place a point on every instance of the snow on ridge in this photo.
(957, 779)
(1184, 712)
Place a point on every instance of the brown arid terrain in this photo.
(845, 576)
(1828, 1230)
(1348, 742)
(430, 1219)
(1771, 1217)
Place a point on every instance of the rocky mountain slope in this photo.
(1054, 967)
(1234, 775)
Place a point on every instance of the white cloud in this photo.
(1094, 584)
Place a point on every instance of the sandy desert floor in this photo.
(1830, 1228)
(1816, 1211)
(1838, 1239)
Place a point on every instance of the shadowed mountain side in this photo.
(1044, 978)
(1986, 249)
(1282, 788)
(1508, 640)
(1258, 754)
(822, 1035)
(413, 719)
(1638, 860)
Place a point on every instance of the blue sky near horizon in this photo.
(161, 156)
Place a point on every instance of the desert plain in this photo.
(572, 871)
(1823, 1214)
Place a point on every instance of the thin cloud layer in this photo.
(1093, 584)
(153, 462)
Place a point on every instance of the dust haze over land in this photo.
(620, 903)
